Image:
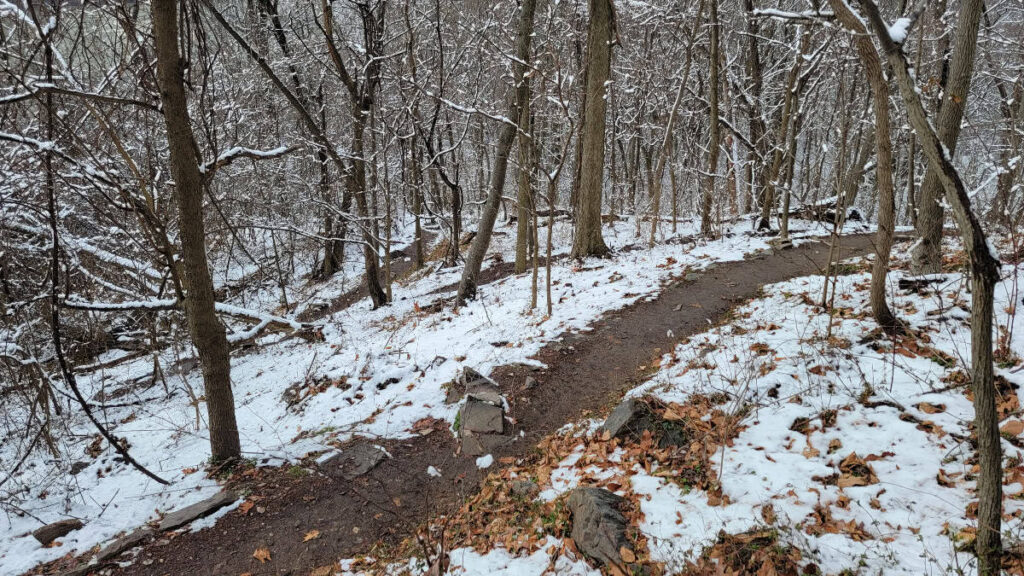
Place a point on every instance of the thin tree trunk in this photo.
(872, 64)
(666, 143)
(984, 275)
(475, 257)
(524, 193)
(207, 332)
(715, 140)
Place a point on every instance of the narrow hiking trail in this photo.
(311, 517)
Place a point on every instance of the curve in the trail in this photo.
(586, 372)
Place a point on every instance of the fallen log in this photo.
(263, 322)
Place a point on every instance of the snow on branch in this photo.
(232, 154)
(803, 16)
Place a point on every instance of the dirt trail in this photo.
(586, 373)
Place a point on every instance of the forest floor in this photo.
(583, 374)
(383, 376)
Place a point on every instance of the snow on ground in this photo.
(375, 374)
(813, 407)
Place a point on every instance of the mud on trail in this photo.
(586, 372)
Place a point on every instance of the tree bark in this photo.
(984, 275)
(207, 332)
(477, 251)
(524, 192)
(709, 182)
(872, 64)
(588, 240)
(927, 253)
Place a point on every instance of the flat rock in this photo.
(47, 534)
(354, 461)
(195, 511)
(598, 527)
(485, 391)
(126, 542)
(474, 444)
(470, 375)
(484, 417)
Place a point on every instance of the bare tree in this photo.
(588, 240)
(208, 333)
(927, 253)
(518, 99)
(984, 275)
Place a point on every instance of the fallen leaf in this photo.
(627, 555)
(928, 408)
(855, 472)
(261, 554)
(1012, 427)
(244, 507)
(311, 535)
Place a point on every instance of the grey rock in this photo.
(485, 392)
(626, 413)
(474, 444)
(77, 467)
(470, 375)
(691, 277)
(195, 511)
(47, 534)
(453, 393)
(126, 542)
(598, 527)
(354, 461)
(525, 488)
(477, 416)
(531, 383)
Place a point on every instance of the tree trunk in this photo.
(984, 275)
(477, 251)
(207, 332)
(666, 143)
(588, 240)
(357, 185)
(713, 145)
(524, 193)
(883, 172)
(927, 253)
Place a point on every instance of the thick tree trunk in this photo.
(485, 228)
(207, 332)
(927, 253)
(357, 186)
(588, 240)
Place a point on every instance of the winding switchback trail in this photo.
(586, 372)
